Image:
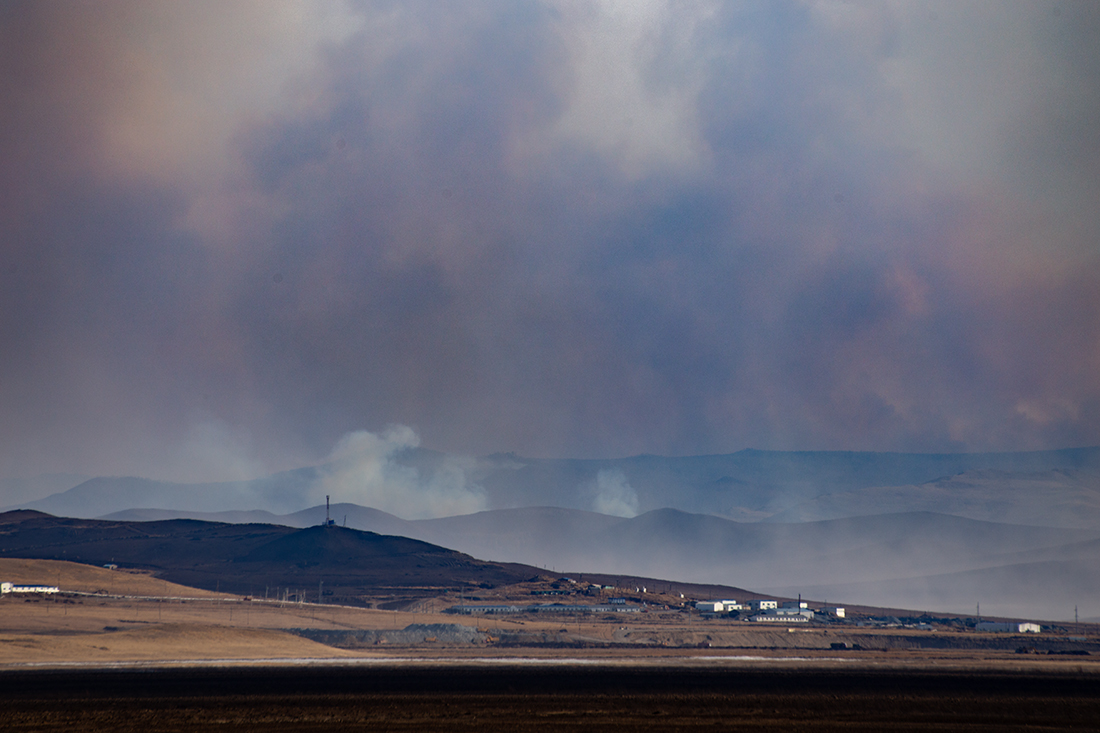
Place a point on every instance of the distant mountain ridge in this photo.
(279, 492)
(1055, 498)
(756, 480)
(748, 485)
(21, 490)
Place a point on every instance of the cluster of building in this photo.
(17, 588)
(769, 611)
(788, 612)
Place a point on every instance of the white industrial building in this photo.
(837, 611)
(762, 605)
(1011, 627)
(710, 606)
(722, 606)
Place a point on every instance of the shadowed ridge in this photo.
(242, 558)
(340, 544)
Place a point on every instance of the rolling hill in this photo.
(246, 558)
(875, 560)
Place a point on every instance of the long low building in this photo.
(541, 608)
(776, 618)
(1010, 627)
(796, 614)
(487, 608)
(19, 588)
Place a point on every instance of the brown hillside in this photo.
(255, 558)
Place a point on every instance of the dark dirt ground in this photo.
(516, 698)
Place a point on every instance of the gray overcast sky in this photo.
(233, 232)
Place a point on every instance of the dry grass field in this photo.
(90, 579)
(112, 616)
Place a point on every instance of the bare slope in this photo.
(91, 579)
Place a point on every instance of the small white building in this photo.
(1010, 627)
(837, 611)
(795, 604)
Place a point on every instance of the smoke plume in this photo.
(365, 469)
(614, 495)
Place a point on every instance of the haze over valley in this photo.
(797, 297)
(1018, 532)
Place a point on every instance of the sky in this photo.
(233, 234)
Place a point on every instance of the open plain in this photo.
(128, 651)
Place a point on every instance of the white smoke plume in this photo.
(614, 494)
(365, 470)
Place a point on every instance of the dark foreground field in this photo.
(516, 698)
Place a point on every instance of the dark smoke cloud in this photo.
(233, 233)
